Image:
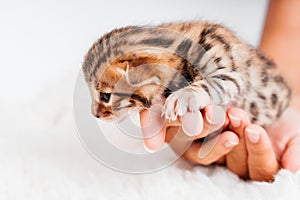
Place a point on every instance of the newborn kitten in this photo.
(186, 66)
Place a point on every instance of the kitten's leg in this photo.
(190, 98)
(216, 89)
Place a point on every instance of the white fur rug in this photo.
(42, 158)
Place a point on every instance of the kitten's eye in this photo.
(105, 97)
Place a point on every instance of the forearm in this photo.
(281, 41)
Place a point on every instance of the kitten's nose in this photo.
(107, 114)
(96, 114)
(101, 112)
(102, 115)
(95, 110)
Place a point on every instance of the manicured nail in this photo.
(236, 122)
(215, 115)
(192, 123)
(210, 120)
(146, 119)
(229, 143)
(253, 135)
(149, 150)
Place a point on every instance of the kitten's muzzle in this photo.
(100, 111)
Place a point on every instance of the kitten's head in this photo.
(127, 84)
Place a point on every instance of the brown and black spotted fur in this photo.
(188, 64)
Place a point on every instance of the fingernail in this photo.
(229, 143)
(192, 123)
(146, 120)
(236, 122)
(210, 120)
(253, 135)
(149, 150)
(153, 123)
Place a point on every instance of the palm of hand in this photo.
(284, 136)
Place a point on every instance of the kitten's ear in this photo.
(125, 74)
(152, 80)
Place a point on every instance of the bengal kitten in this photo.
(185, 65)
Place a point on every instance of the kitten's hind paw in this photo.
(186, 99)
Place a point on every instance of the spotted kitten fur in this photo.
(185, 65)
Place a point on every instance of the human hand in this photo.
(264, 151)
(251, 159)
(285, 139)
(155, 128)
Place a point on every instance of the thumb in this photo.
(262, 163)
(153, 128)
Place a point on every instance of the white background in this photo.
(42, 40)
(42, 44)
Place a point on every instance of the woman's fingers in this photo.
(211, 119)
(285, 138)
(290, 158)
(262, 163)
(192, 123)
(193, 126)
(214, 118)
(225, 143)
(198, 124)
(153, 128)
(236, 160)
(254, 157)
(211, 150)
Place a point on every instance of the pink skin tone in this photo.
(259, 152)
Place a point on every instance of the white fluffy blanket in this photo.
(42, 158)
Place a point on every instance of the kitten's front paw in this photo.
(183, 100)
